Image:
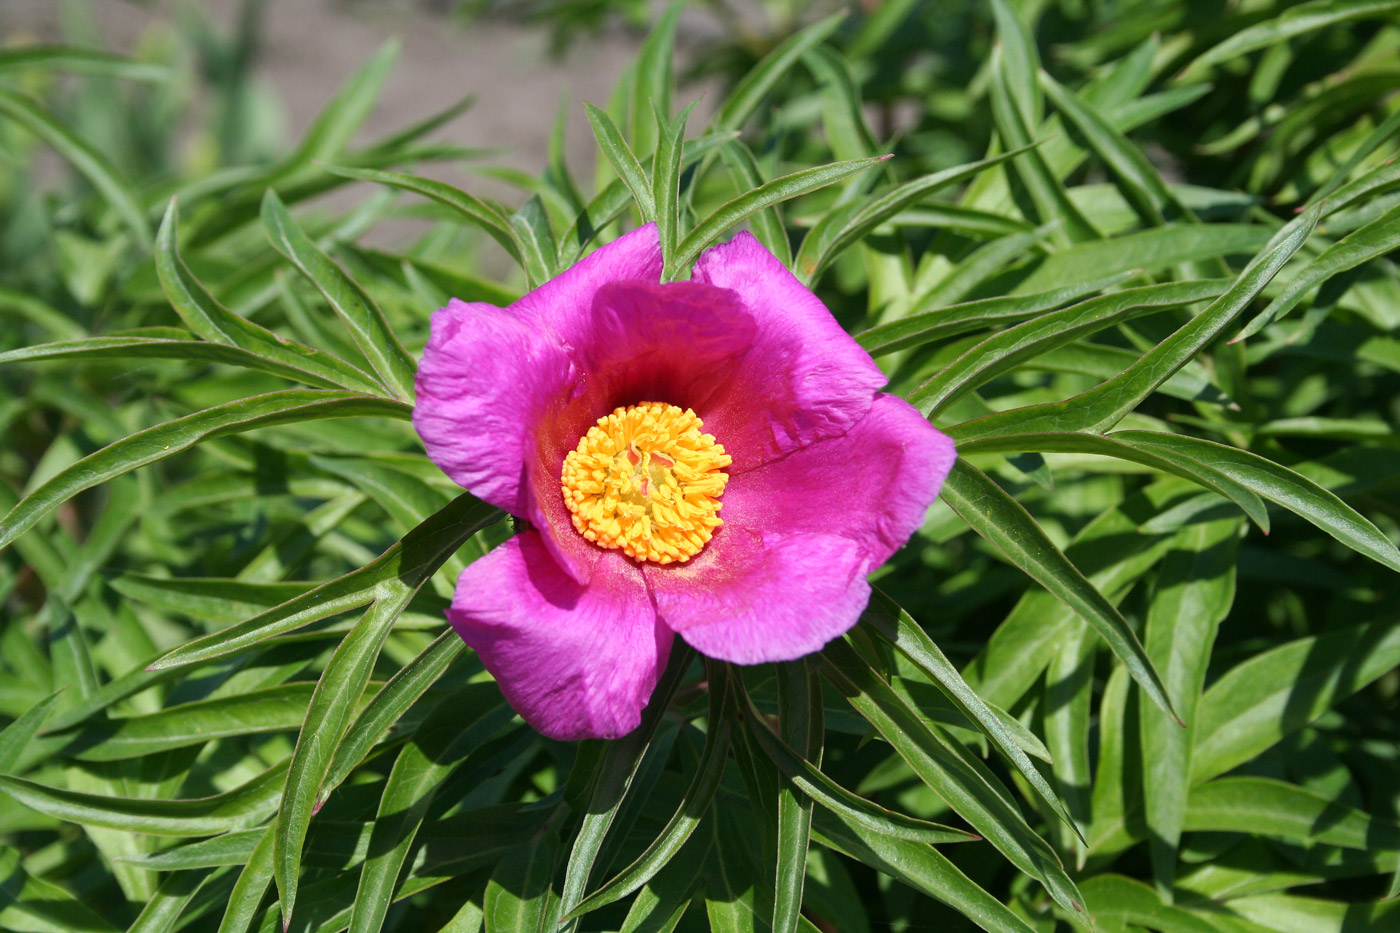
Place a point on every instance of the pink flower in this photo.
(749, 534)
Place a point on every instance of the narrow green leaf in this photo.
(623, 160)
(1194, 592)
(1125, 445)
(764, 76)
(1123, 900)
(809, 779)
(163, 910)
(617, 767)
(1105, 405)
(1005, 349)
(687, 816)
(18, 734)
(835, 232)
(233, 848)
(922, 867)
(77, 60)
(771, 192)
(801, 722)
(962, 780)
(476, 211)
(531, 225)
(407, 562)
(653, 80)
(921, 327)
(1377, 238)
(518, 897)
(452, 731)
(1006, 524)
(666, 180)
(215, 323)
(897, 627)
(1294, 21)
(248, 891)
(240, 808)
(164, 440)
(337, 124)
(1264, 806)
(33, 905)
(1280, 485)
(767, 225)
(361, 316)
(87, 160)
(399, 693)
(1275, 693)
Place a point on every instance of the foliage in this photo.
(1137, 670)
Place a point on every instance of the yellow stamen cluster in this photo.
(646, 480)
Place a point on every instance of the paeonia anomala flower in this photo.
(711, 459)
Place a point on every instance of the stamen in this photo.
(646, 480)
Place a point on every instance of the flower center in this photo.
(644, 479)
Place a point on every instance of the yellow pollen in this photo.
(646, 480)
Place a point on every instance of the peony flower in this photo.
(711, 459)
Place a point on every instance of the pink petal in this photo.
(489, 375)
(873, 484)
(675, 343)
(484, 382)
(804, 379)
(565, 302)
(750, 598)
(575, 662)
(786, 573)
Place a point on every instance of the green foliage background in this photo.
(228, 696)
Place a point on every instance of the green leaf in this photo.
(1125, 445)
(1264, 806)
(15, 736)
(620, 156)
(87, 160)
(1002, 520)
(337, 694)
(451, 732)
(407, 563)
(33, 905)
(164, 440)
(399, 693)
(168, 903)
(519, 898)
(897, 627)
(764, 76)
(215, 323)
(1280, 485)
(1256, 703)
(474, 210)
(837, 231)
(809, 779)
(244, 806)
(963, 781)
(1105, 405)
(1116, 898)
(342, 118)
(1005, 349)
(1294, 21)
(921, 327)
(1194, 592)
(1377, 238)
(653, 79)
(233, 848)
(248, 891)
(687, 816)
(361, 316)
(616, 769)
(800, 718)
(732, 212)
(531, 225)
(76, 60)
(922, 867)
(666, 181)
(767, 225)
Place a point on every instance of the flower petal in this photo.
(873, 484)
(484, 382)
(565, 302)
(750, 598)
(576, 662)
(786, 573)
(674, 343)
(804, 379)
